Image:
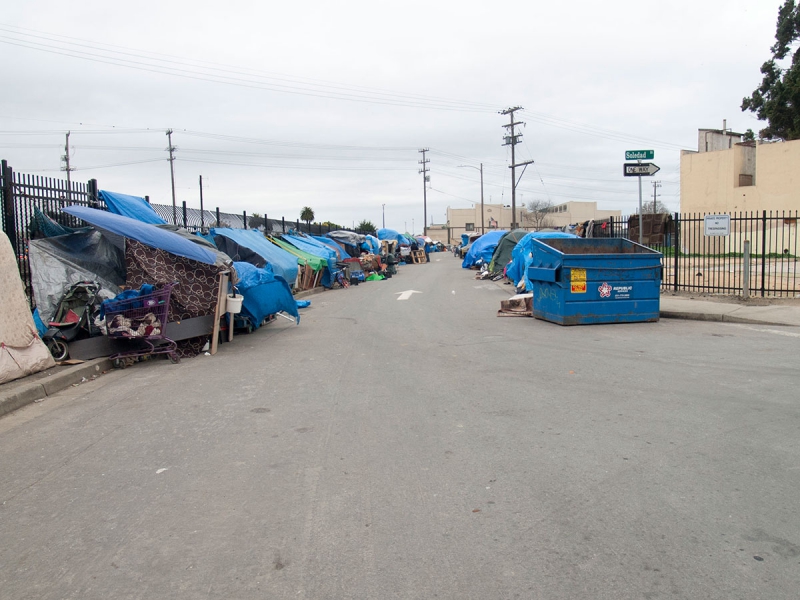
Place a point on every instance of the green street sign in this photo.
(640, 154)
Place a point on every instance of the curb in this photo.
(47, 386)
(693, 316)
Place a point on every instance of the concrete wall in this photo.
(710, 181)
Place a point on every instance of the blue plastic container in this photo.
(580, 281)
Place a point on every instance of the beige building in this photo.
(495, 216)
(571, 212)
(727, 175)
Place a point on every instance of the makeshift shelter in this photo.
(351, 241)
(130, 206)
(483, 248)
(61, 261)
(341, 253)
(311, 246)
(521, 257)
(391, 234)
(249, 245)
(502, 253)
(373, 243)
(264, 293)
(314, 267)
(21, 351)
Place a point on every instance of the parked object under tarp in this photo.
(248, 245)
(391, 234)
(59, 262)
(521, 257)
(22, 353)
(264, 293)
(134, 207)
(351, 241)
(483, 248)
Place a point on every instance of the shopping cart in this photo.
(143, 319)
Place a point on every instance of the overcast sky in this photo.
(281, 105)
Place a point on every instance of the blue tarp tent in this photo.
(341, 253)
(284, 264)
(391, 234)
(483, 248)
(373, 243)
(312, 246)
(264, 293)
(521, 256)
(130, 206)
(145, 233)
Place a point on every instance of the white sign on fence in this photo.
(717, 224)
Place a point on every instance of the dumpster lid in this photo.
(596, 246)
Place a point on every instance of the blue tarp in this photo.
(483, 248)
(130, 206)
(521, 256)
(391, 234)
(373, 243)
(150, 235)
(264, 293)
(341, 253)
(283, 263)
(312, 246)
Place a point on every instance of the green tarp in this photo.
(303, 258)
(502, 254)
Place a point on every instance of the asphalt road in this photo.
(416, 449)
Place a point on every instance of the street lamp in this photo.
(383, 207)
(483, 230)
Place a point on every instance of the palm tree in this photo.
(307, 215)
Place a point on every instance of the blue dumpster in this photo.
(580, 281)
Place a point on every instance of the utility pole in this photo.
(383, 212)
(512, 140)
(425, 179)
(67, 168)
(171, 149)
(483, 230)
(202, 224)
(656, 185)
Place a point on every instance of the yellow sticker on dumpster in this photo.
(577, 280)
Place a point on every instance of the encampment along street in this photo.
(403, 441)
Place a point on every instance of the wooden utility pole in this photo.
(512, 140)
(425, 179)
(171, 149)
(68, 169)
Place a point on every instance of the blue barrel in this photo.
(580, 281)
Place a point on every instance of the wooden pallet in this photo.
(418, 256)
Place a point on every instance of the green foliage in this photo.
(332, 226)
(307, 214)
(367, 227)
(777, 99)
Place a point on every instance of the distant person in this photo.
(427, 248)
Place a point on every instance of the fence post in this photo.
(218, 221)
(298, 225)
(611, 224)
(283, 224)
(763, 250)
(267, 228)
(184, 214)
(8, 204)
(676, 237)
(147, 199)
(746, 270)
(91, 192)
(244, 218)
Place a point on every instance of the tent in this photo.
(130, 206)
(373, 243)
(341, 253)
(502, 254)
(521, 257)
(21, 351)
(483, 248)
(249, 245)
(264, 293)
(352, 242)
(315, 262)
(391, 234)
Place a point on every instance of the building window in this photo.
(469, 226)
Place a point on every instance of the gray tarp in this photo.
(61, 261)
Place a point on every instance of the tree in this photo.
(647, 207)
(255, 221)
(777, 99)
(367, 227)
(537, 214)
(307, 215)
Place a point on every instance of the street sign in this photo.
(717, 224)
(635, 169)
(640, 154)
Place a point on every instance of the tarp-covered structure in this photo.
(521, 257)
(502, 253)
(391, 234)
(312, 261)
(61, 261)
(373, 244)
(130, 206)
(313, 247)
(21, 351)
(249, 245)
(352, 242)
(264, 293)
(483, 248)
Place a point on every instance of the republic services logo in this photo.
(605, 290)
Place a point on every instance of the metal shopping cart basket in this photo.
(143, 319)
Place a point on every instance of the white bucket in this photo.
(234, 304)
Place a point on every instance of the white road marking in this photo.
(407, 294)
